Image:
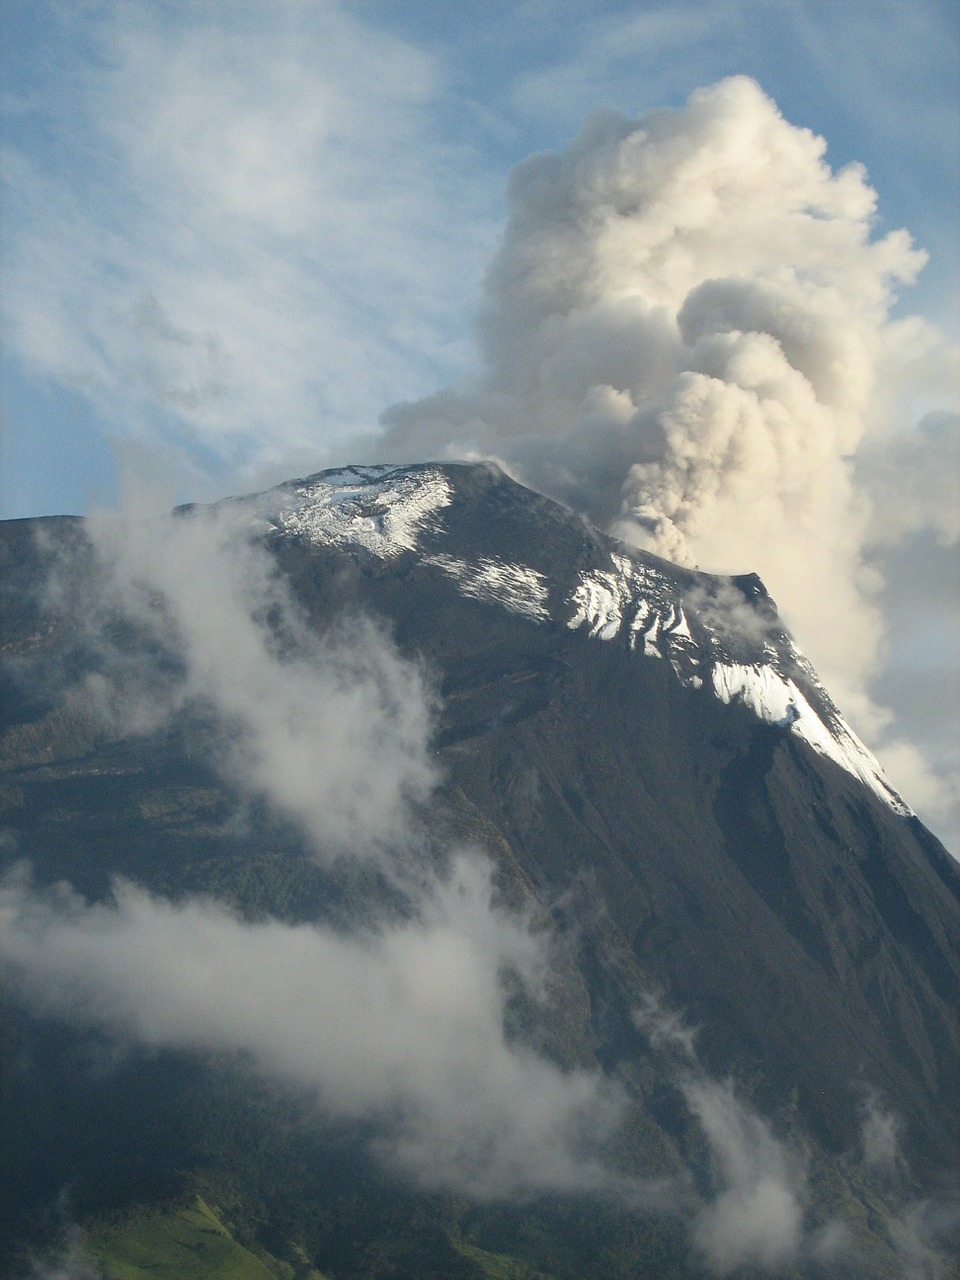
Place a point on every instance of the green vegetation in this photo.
(498, 1266)
(188, 1242)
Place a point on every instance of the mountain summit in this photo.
(725, 632)
(745, 936)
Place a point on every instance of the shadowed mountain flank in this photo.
(429, 752)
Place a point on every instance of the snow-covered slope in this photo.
(720, 635)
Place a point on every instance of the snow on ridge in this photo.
(642, 600)
(776, 699)
(599, 605)
(384, 509)
(638, 601)
(371, 474)
(516, 587)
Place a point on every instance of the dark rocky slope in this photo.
(673, 787)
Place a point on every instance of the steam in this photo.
(687, 336)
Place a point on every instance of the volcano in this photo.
(659, 778)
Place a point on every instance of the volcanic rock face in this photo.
(643, 744)
(657, 732)
(738, 645)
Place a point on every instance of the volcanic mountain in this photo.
(659, 778)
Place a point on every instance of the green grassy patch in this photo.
(500, 1266)
(184, 1243)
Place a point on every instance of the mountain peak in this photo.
(501, 544)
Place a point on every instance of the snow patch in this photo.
(776, 699)
(650, 647)
(597, 605)
(516, 587)
(384, 509)
(637, 597)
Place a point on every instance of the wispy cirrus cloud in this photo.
(238, 233)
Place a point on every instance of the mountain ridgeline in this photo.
(659, 780)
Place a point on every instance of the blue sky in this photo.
(234, 234)
(472, 90)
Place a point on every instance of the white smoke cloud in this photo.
(687, 336)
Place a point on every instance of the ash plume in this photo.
(688, 335)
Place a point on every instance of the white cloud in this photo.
(924, 1235)
(880, 1139)
(68, 1261)
(241, 235)
(913, 478)
(660, 39)
(755, 1216)
(401, 1025)
(757, 1219)
(398, 1023)
(334, 730)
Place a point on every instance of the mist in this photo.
(332, 730)
(400, 1025)
(398, 1018)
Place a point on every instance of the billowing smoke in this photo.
(687, 336)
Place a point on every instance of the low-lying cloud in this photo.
(401, 1024)
(397, 1021)
(756, 1214)
(400, 1020)
(333, 731)
(757, 1217)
